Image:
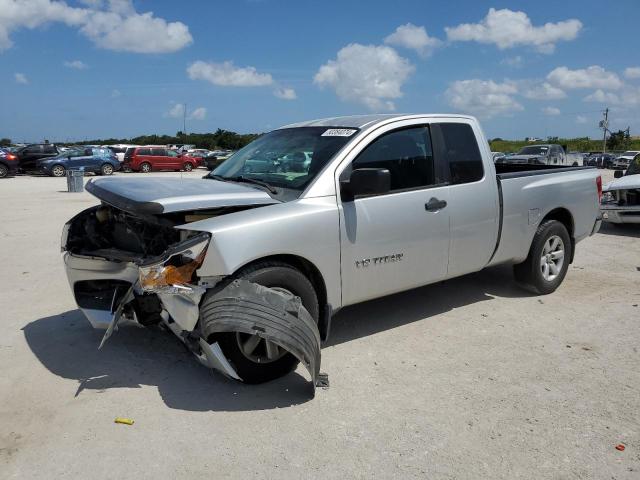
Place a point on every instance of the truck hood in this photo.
(165, 195)
(624, 183)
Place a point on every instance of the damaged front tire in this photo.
(256, 356)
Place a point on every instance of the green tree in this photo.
(5, 141)
(619, 140)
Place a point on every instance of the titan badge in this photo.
(366, 262)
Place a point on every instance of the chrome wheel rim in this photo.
(57, 171)
(187, 167)
(107, 169)
(145, 167)
(552, 258)
(256, 348)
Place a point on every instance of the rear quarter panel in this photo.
(527, 200)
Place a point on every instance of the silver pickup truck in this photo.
(248, 264)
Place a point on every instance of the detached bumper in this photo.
(97, 284)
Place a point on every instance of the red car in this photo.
(148, 158)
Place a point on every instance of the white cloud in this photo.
(628, 97)
(413, 37)
(228, 75)
(367, 74)
(176, 111)
(198, 114)
(115, 93)
(601, 96)
(591, 77)
(581, 119)
(515, 62)
(551, 111)
(113, 26)
(21, 78)
(484, 98)
(544, 91)
(632, 72)
(76, 64)
(507, 29)
(285, 93)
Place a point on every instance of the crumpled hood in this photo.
(623, 183)
(165, 195)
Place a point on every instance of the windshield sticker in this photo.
(338, 132)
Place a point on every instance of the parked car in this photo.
(9, 163)
(148, 158)
(622, 162)
(497, 155)
(621, 197)
(548, 154)
(196, 157)
(120, 150)
(28, 156)
(247, 268)
(601, 160)
(101, 161)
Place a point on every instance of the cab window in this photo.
(406, 153)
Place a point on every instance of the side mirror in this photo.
(366, 181)
(618, 174)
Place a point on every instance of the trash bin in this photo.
(75, 180)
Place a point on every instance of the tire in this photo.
(187, 167)
(4, 171)
(274, 275)
(58, 171)
(543, 272)
(145, 167)
(106, 169)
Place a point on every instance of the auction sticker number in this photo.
(338, 132)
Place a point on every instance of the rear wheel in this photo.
(546, 266)
(58, 171)
(255, 359)
(145, 167)
(106, 169)
(187, 167)
(4, 171)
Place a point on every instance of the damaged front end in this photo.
(135, 268)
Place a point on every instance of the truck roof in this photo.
(361, 121)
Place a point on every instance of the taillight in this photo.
(11, 156)
(599, 186)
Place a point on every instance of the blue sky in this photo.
(95, 69)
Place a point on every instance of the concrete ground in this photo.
(471, 378)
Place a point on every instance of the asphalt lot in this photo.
(471, 378)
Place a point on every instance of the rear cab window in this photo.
(456, 145)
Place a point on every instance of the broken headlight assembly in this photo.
(608, 197)
(173, 272)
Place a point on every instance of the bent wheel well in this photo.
(303, 265)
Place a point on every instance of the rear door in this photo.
(395, 241)
(473, 195)
(159, 159)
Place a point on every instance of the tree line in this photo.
(220, 139)
(616, 141)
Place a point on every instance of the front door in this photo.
(398, 240)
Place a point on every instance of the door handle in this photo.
(433, 205)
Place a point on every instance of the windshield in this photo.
(630, 153)
(634, 166)
(289, 158)
(536, 150)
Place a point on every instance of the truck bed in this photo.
(528, 193)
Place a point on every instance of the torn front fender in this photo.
(275, 316)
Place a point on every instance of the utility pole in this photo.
(184, 122)
(604, 124)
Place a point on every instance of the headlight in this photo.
(175, 271)
(64, 236)
(607, 197)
